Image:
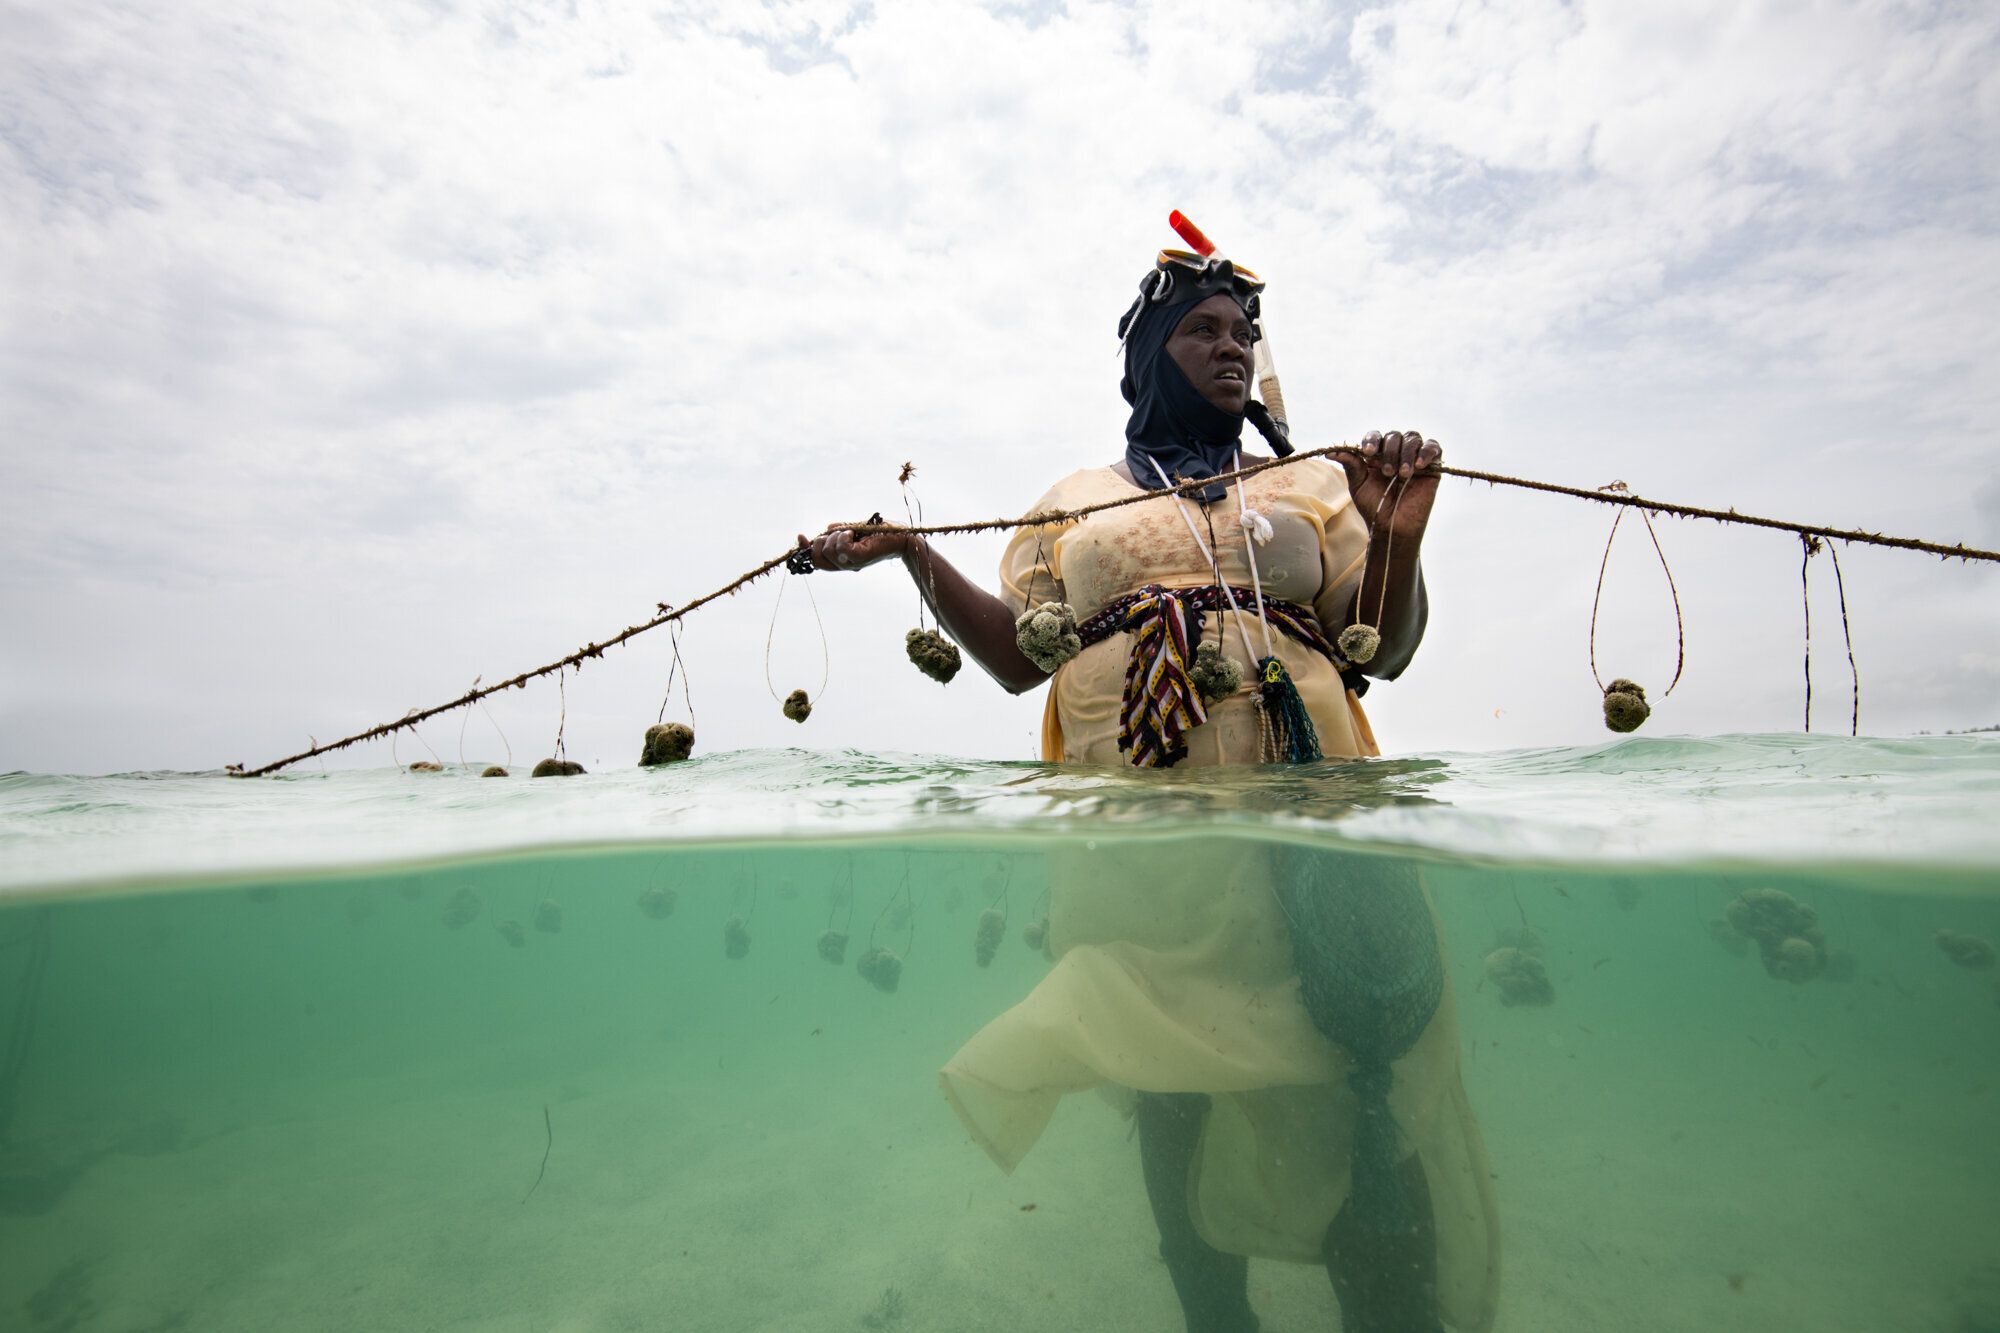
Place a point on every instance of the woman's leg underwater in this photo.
(1214, 1287)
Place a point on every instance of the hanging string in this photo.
(667, 614)
(1400, 487)
(1812, 547)
(1854, 672)
(927, 588)
(1250, 550)
(1209, 556)
(1043, 566)
(1680, 628)
(902, 893)
(825, 656)
(562, 717)
(396, 759)
(490, 718)
(1215, 567)
(679, 667)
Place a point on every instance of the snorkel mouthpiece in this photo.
(1192, 234)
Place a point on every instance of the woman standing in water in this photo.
(1285, 1109)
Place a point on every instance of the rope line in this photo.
(669, 614)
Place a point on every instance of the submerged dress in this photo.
(1177, 976)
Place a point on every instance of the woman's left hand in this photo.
(1403, 459)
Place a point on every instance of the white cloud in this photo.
(351, 351)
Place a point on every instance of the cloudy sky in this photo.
(351, 351)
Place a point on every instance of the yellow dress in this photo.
(1177, 976)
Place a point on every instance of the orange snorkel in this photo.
(1265, 365)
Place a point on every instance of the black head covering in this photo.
(1172, 424)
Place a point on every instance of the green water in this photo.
(271, 1085)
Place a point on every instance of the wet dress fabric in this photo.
(1175, 973)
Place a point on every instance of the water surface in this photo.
(375, 1049)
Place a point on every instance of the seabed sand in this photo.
(401, 1207)
(1681, 1142)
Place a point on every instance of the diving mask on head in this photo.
(1180, 276)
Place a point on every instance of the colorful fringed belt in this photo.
(1161, 702)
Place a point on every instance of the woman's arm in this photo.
(1393, 480)
(974, 617)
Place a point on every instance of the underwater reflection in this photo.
(1275, 1018)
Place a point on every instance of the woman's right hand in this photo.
(839, 548)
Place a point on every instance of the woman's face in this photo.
(1212, 347)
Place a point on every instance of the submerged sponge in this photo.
(1625, 706)
(1521, 937)
(557, 768)
(797, 707)
(1770, 914)
(1214, 675)
(1787, 933)
(735, 937)
(667, 743)
(935, 655)
(1968, 951)
(658, 903)
(511, 932)
(1359, 643)
(986, 939)
(1047, 635)
(1728, 937)
(1520, 977)
(833, 946)
(1795, 959)
(1036, 934)
(494, 771)
(548, 916)
(883, 969)
(461, 910)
